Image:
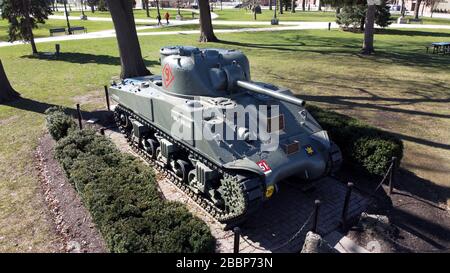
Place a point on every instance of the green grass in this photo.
(138, 13)
(196, 27)
(246, 15)
(267, 15)
(401, 89)
(43, 29)
(427, 20)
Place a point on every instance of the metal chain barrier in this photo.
(226, 236)
(287, 242)
(385, 175)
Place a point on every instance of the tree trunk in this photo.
(275, 10)
(129, 48)
(361, 26)
(30, 29)
(270, 4)
(281, 6)
(158, 14)
(7, 93)
(320, 6)
(416, 9)
(206, 27)
(147, 10)
(423, 7)
(303, 5)
(402, 9)
(286, 7)
(369, 30)
(293, 6)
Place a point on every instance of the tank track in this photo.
(251, 191)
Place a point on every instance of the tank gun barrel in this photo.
(265, 91)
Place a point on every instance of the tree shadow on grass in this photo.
(412, 33)
(277, 46)
(413, 58)
(104, 117)
(83, 58)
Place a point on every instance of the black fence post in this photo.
(237, 236)
(107, 97)
(316, 215)
(102, 131)
(57, 49)
(392, 174)
(79, 116)
(329, 25)
(346, 203)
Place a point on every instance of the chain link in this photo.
(385, 176)
(284, 244)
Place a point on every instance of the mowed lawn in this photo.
(267, 15)
(43, 29)
(196, 27)
(138, 13)
(401, 89)
(305, 16)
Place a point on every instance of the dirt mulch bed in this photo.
(72, 221)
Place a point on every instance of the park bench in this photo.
(75, 29)
(441, 47)
(57, 30)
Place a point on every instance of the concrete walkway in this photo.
(284, 25)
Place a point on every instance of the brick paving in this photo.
(279, 218)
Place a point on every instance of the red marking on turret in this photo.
(167, 75)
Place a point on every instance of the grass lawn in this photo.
(427, 20)
(43, 29)
(267, 15)
(196, 27)
(401, 89)
(138, 13)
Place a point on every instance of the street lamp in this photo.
(67, 17)
(83, 16)
(274, 20)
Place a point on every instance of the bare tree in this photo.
(206, 27)
(416, 9)
(432, 4)
(145, 3)
(129, 48)
(293, 6)
(7, 93)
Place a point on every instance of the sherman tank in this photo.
(225, 140)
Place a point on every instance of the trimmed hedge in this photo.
(58, 123)
(121, 194)
(363, 147)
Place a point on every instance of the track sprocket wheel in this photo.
(233, 195)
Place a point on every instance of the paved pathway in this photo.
(285, 26)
